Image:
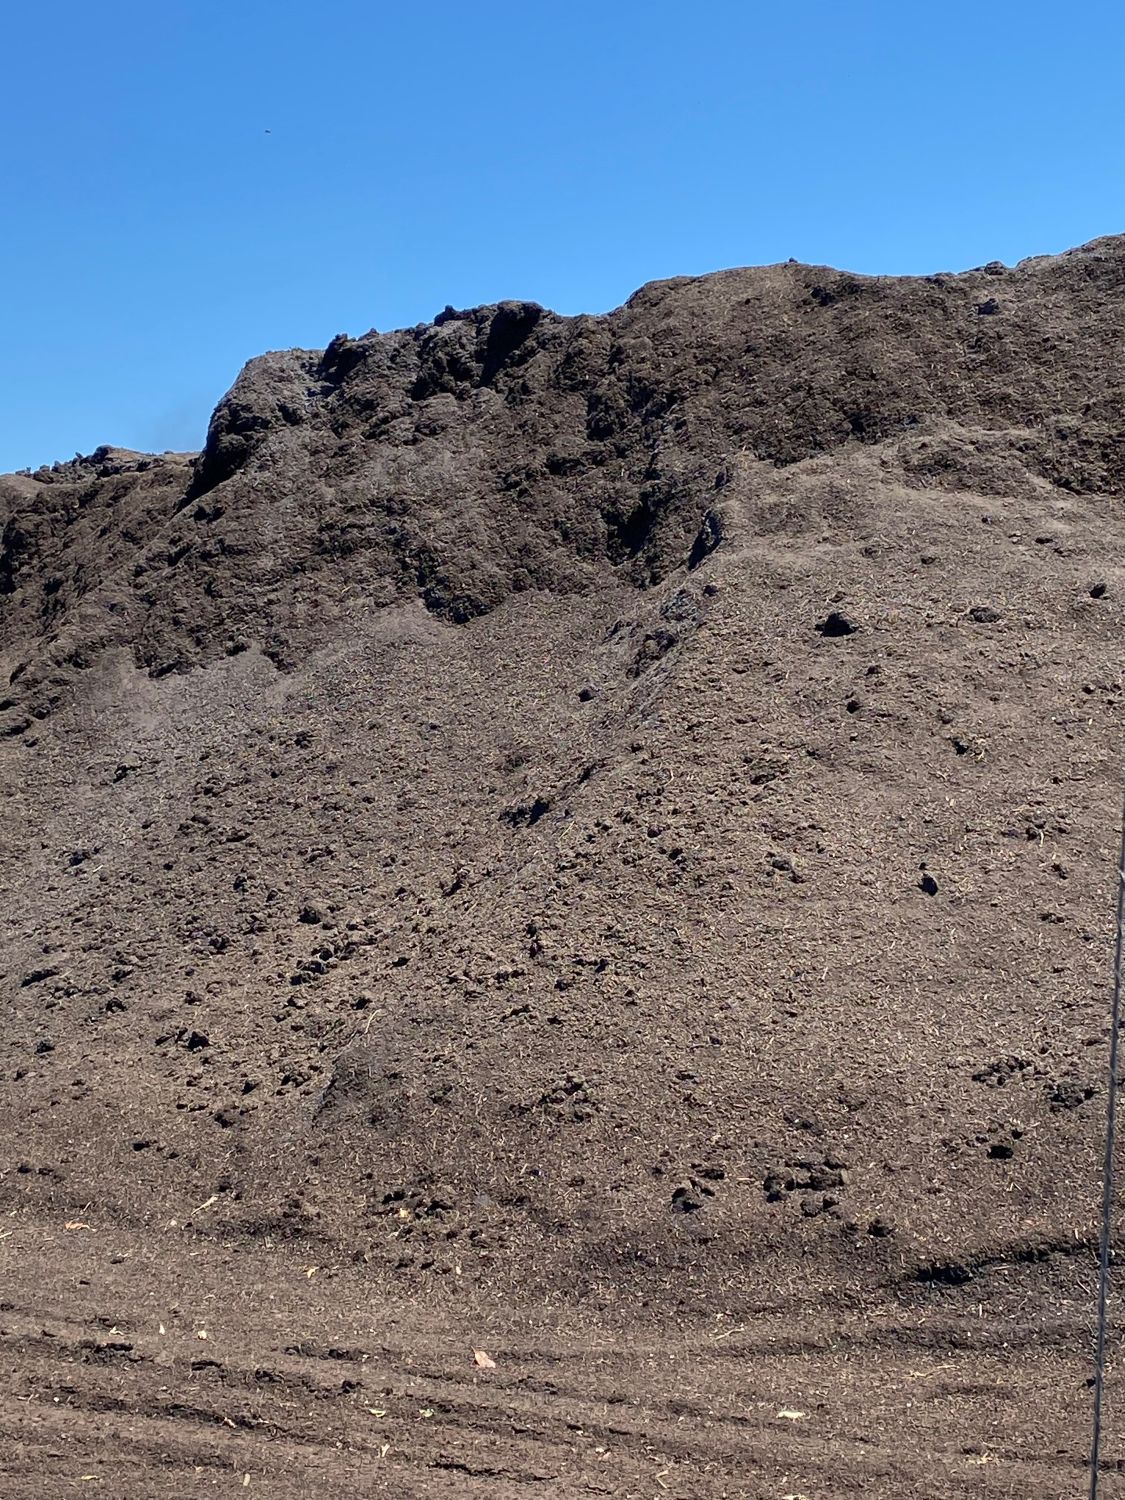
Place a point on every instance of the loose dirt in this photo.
(591, 841)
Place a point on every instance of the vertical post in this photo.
(1107, 1178)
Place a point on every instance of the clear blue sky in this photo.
(155, 236)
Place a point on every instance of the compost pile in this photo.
(580, 803)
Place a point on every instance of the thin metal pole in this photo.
(1107, 1178)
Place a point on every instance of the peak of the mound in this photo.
(968, 347)
(505, 448)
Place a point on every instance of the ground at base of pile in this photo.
(225, 1369)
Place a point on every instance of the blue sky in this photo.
(185, 185)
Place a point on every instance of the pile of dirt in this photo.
(586, 805)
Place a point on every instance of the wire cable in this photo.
(1107, 1177)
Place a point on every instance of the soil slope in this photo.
(606, 814)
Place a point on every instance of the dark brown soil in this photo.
(590, 840)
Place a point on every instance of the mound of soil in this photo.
(616, 811)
